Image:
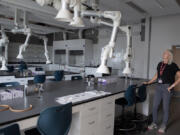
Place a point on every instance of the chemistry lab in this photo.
(89, 67)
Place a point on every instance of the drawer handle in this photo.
(108, 115)
(108, 127)
(91, 123)
(91, 109)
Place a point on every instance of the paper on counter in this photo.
(10, 94)
(81, 96)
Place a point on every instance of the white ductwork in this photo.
(107, 51)
(57, 4)
(77, 20)
(23, 47)
(128, 55)
(48, 61)
(4, 43)
(64, 14)
(95, 15)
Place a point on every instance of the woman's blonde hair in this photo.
(170, 56)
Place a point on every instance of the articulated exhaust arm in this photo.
(23, 47)
(48, 61)
(4, 43)
(107, 51)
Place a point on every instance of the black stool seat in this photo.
(124, 124)
(121, 101)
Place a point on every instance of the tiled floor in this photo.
(174, 120)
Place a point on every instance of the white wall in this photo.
(34, 53)
(165, 33)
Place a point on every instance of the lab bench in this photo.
(93, 116)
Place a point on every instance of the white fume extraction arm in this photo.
(4, 43)
(23, 47)
(77, 20)
(107, 51)
(64, 14)
(46, 50)
(128, 55)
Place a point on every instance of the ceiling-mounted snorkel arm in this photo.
(4, 43)
(77, 20)
(128, 55)
(48, 61)
(23, 47)
(107, 51)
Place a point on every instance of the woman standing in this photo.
(165, 76)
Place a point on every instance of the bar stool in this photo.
(39, 81)
(58, 75)
(55, 120)
(140, 97)
(10, 69)
(140, 119)
(10, 130)
(22, 67)
(124, 124)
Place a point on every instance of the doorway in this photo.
(176, 56)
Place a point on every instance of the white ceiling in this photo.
(38, 14)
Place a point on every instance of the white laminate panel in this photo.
(90, 108)
(107, 103)
(28, 123)
(107, 127)
(90, 125)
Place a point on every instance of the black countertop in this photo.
(54, 90)
(4, 73)
(17, 74)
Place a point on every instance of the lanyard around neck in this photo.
(162, 68)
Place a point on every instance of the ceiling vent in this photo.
(136, 7)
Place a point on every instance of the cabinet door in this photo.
(106, 117)
(107, 127)
(90, 109)
(89, 125)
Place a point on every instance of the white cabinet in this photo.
(97, 117)
(77, 52)
(90, 125)
(106, 116)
